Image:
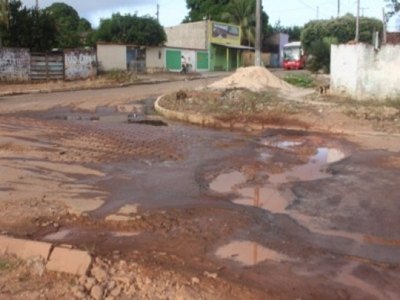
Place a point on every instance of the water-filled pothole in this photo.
(225, 183)
(249, 253)
(314, 169)
(272, 195)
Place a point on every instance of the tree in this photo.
(205, 10)
(28, 28)
(239, 12)
(321, 55)
(71, 28)
(242, 13)
(4, 11)
(317, 36)
(131, 29)
(394, 6)
(343, 29)
(294, 32)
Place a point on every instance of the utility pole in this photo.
(363, 9)
(317, 12)
(257, 60)
(384, 38)
(37, 4)
(357, 39)
(158, 13)
(338, 8)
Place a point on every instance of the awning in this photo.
(235, 46)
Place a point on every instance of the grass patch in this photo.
(6, 265)
(395, 103)
(300, 80)
(373, 110)
(121, 76)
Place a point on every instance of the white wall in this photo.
(188, 35)
(80, 64)
(155, 59)
(361, 72)
(111, 57)
(15, 64)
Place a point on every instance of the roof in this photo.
(293, 44)
(235, 46)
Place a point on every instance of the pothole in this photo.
(249, 253)
(225, 183)
(272, 195)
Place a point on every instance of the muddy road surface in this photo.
(227, 215)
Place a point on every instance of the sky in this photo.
(172, 12)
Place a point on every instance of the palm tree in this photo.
(242, 13)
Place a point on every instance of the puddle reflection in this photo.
(266, 197)
(269, 196)
(249, 253)
(225, 183)
(314, 169)
(273, 197)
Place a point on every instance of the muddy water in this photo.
(249, 253)
(264, 204)
(275, 195)
(270, 195)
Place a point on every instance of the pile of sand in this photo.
(255, 79)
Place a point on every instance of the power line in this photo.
(306, 4)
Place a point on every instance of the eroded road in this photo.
(271, 215)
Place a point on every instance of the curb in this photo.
(203, 120)
(208, 121)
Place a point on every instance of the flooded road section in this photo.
(278, 214)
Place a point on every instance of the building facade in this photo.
(204, 45)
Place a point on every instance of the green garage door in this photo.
(202, 60)
(173, 60)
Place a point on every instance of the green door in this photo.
(202, 60)
(173, 60)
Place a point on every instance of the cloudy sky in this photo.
(288, 12)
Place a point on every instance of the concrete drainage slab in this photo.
(58, 259)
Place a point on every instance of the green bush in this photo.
(301, 80)
(318, 36)
(320, 55)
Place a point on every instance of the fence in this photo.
(45, 67)
(19, 65)
(14, 64)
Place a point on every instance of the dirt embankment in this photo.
(254, 98)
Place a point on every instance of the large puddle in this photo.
(314, 169)
(271, 195)
(275, 197)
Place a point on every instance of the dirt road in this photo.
(90, 99)
(184, 212)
